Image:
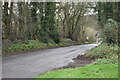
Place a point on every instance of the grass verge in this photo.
(32, 46)
(90, 71)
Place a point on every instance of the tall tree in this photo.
(7, 14)
(108, 19)
(48, 23)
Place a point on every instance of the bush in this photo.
(103, 51)
(55, 36)
(66, 40)
(106, 61)
(33, 41)
(45, 40)
(110, 32)
(104, 54)
(34, 44)
(31, 45)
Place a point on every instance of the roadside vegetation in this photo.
(90, 71)
(40, 25)
(105, 55)
(33, 25)
(33, 44)
(104, 66)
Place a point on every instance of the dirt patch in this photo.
(79, 61)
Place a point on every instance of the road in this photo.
(32, 64)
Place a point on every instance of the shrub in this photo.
(66, 40)
(104, 54)
(102, 51)
(106, 61)
(110, 32)
(33, 44)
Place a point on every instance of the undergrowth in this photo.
(35, 45)
(104, 54)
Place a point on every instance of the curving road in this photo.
(36, 63)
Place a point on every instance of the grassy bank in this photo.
(105, 66)
(104, 54)
(34, 45)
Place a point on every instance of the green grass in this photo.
(35, 45)
(105, 66)
(90, 71)
(17, 47)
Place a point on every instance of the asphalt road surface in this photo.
(32, 64)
